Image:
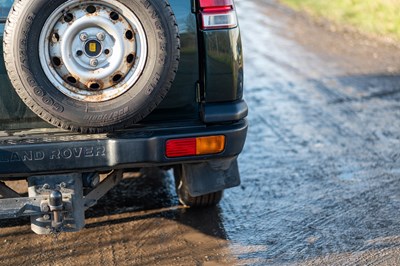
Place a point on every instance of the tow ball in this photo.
(56, 207)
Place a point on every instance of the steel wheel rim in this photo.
(93, 52)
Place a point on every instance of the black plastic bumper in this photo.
(59, 151)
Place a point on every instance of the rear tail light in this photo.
(195, 146)
(217, 14)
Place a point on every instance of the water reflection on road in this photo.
(320, 168)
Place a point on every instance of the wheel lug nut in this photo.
(94, 62)
(83, 36)
(101, 36)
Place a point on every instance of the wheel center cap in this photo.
(93, 48)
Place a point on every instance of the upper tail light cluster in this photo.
(217, 14)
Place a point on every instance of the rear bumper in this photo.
(60, 151)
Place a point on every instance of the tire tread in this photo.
(168, 77)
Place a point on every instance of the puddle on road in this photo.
(316, 186)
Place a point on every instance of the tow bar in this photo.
(56, 203)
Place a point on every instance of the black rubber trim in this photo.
(224, 112)
(59, 152)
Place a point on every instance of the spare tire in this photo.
(91, 66)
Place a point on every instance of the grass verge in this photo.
(379, 17)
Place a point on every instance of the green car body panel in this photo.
(205, 99)
(219, 51)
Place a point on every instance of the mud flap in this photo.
(212, 176)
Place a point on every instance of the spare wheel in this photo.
(91, 66)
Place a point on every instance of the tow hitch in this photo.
(56, 203)
(56, 207)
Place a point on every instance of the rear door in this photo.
(180, 103)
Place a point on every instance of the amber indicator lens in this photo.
(210, 145)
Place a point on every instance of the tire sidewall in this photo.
(131, 106)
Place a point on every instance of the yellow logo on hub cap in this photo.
(93, 48)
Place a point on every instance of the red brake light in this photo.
(217, 14)
(217, 9)
(181, 147)
(215, 3)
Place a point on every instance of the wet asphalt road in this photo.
(320, 169)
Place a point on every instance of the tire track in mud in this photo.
(156, 232)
